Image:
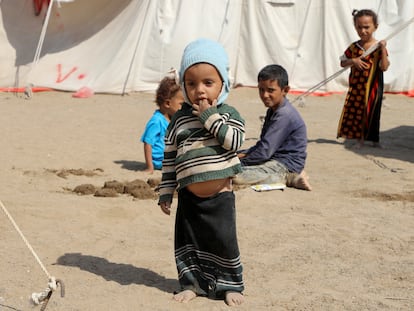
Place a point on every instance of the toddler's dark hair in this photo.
(274, 73)
(166, 90)
(358, 13)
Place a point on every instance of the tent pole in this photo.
(28, 89)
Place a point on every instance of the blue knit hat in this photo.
(211, 52)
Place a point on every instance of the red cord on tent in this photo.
(38, 4)
(409, 93)
(23, 89)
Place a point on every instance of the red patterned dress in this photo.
(360, 118)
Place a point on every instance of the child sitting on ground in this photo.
(280, 153)
(169, 98)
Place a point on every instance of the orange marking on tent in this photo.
(60, 78)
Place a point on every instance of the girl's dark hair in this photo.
(358, 13)
(274, 73)
(167, 89)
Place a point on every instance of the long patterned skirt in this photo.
(206, 249)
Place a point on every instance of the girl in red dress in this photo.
(360, 118)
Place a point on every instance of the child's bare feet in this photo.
(299, 181)
(185, 296)
(233, 298)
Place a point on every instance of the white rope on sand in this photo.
(44, 296)
(366, 53)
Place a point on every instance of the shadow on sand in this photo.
(131, 165)
(121, 273)
(398, 144)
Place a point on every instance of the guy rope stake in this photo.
(366, 53)
(43, 297)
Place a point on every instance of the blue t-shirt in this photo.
(154, 135)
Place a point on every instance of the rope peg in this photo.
(301, 102)
(43, 297)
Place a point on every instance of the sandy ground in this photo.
(347, 245)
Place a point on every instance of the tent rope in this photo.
(42, 34)
(366, 53)
(28, 89)
(44, 296)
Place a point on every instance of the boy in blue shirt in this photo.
(169, 98)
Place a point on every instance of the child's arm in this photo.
(384, 62)
(166, 207)
(271, 140)
(357, 62)
(169, 176)
(241, 155)
(148, 158)
(227, 125)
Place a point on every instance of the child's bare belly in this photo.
(208, 188)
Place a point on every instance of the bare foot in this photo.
(300, 181)
(185, 296)
(233, 298)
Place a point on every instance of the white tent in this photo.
(129, 45)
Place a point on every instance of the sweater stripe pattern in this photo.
(200, 148)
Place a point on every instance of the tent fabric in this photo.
(129, 45)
